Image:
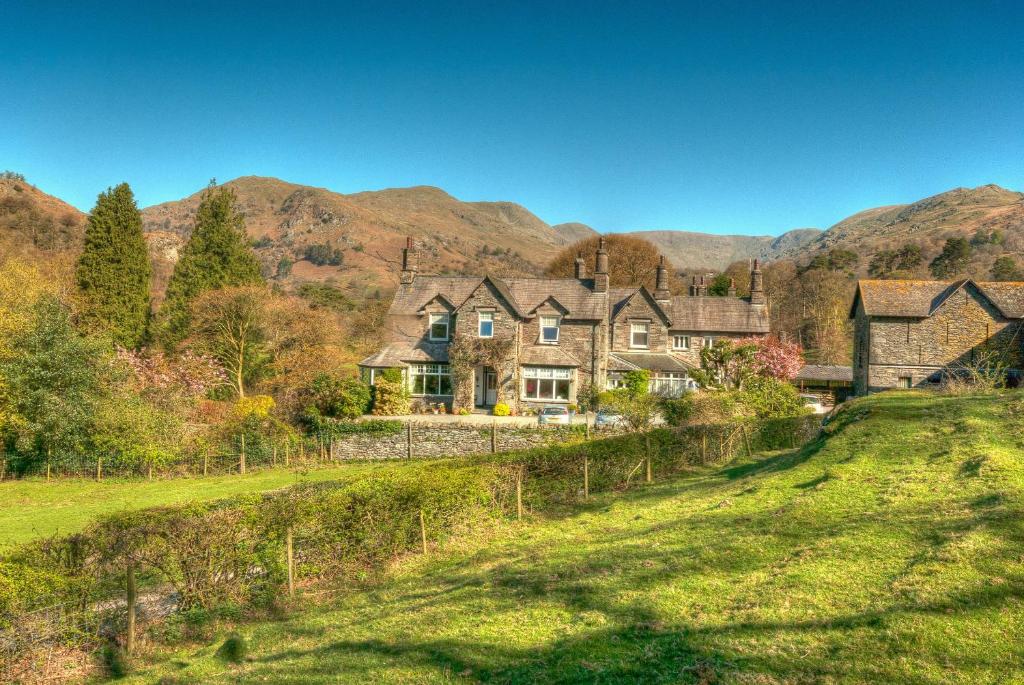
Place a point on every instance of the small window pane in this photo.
(486, 321)
(638, 335)
(562, 390)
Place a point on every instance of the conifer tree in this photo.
(113, 271)
(218, 255)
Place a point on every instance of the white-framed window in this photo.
(439, 326)
(430, 379)
(542, 383)
(549, 329)
(680, 342)
(639, 334)
(614, 381)
(708, 341)
(485, 324)
(668, 383)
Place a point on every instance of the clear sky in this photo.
(716, 116)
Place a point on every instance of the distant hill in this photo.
(33, 222)
(991, 217)
(573, 232)
(369, 228)
(689, 250)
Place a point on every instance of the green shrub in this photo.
(234, 649)
(768, 398)
(115, 661)
(336, 428)
(339, 398)
(390, 394)
(501, 409)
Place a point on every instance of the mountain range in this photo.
(292, 226)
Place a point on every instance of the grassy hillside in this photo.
(889, 552)
(35, 508)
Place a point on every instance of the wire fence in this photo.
(289, 542)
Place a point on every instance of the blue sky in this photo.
(722, 117)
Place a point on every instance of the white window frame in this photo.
(481, 319)
(437, 318)
(557, 326)
(708, 341)
(677, 338)
(668, 383)
(636, 327)
(546, 382)
(440, 371)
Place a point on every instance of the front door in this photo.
(491, 383)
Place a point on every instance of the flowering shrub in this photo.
(775, 358)
(501, 409)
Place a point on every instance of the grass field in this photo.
(35, 508)
(892, 552)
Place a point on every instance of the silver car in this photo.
(553, 415)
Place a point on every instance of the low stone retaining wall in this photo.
(448, 440)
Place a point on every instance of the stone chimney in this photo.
(702, 288)
(757, 295)
(694, 290)
(601, 268)
(661, 291)
(408, 262)
(581, 269)
(732, 287)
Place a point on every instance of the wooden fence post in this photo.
(703, 446)
(149, 472)
(49, 456)
(130, 599)
(286, 450)
(408, 440)
(241, 462)
(586, 477)
(331, 455)
(423, 531)
(3, 468)
(291, 562)
(746, 439)
(206, 461)
(494, 437)
(99, 468)
(647, 448)
(274, 457)
(586, 424)
(519, 494)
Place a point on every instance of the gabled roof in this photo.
(402, 353)
(503, 291)
(920, 299)
(621, 297)
(438, 298)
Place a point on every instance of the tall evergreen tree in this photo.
(217, 255)
(114, 272)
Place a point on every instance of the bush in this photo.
(768, 398)
(501, 409)
(115, 661)
(339, 398)
(390, 394)
(702, 408)
(234, 649)
(338, 428)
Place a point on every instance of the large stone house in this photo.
(913, 333)
(479, 340)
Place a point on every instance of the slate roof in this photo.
(546, 355)
(920, 299)
(401, 353)
(653, 361)
(815, 372)
(524, 294)
(717, 314)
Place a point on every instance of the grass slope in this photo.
(890, 552)
(34, 508)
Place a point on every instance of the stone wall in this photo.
(639, 310)
(447, 440)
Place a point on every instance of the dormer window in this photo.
(485, 324)
(639, 334)
(439, 326)
(549, 329)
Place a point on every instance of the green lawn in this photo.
(893, 552)
(36, 508)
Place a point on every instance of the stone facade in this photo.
(593, 324)
(904, 345)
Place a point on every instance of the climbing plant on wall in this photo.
(465, 354)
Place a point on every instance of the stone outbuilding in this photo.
(474, 341)
(910, 334)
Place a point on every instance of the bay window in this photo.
(541, 383)
(639, 334)
(485, 324)
(430, 379)
(439, 326)
(549, 329)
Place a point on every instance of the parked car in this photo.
(553, 415)
(814, 402)
(605, 418)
